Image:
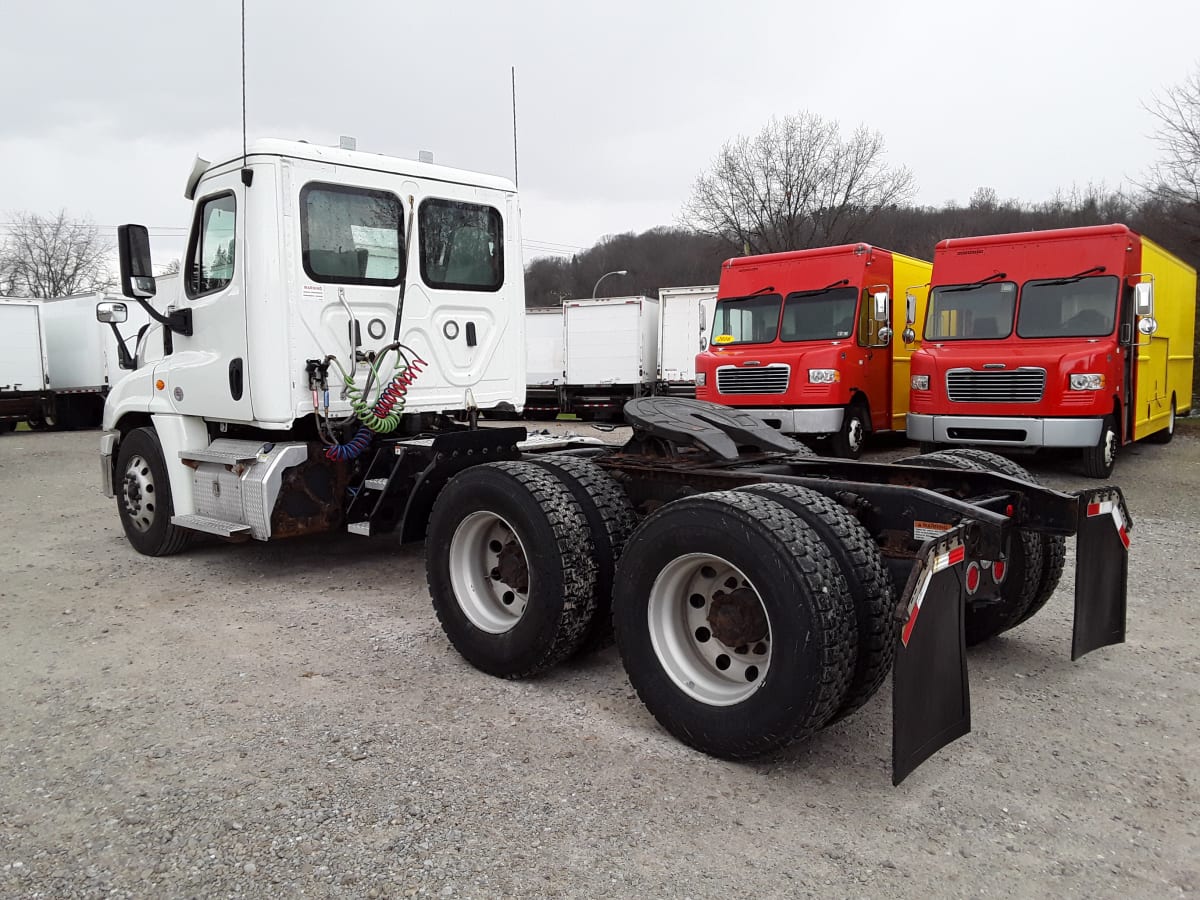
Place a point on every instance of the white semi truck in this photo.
(24, 389)
(336, 302)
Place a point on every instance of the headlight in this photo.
(1087, 382)
(701, 379)
(920, 382)
(823, 376)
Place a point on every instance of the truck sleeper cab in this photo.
(1077, 337)
(803, 341)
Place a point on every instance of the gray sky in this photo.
(620, 104)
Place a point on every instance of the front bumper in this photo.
(108, 445)
(1005, 431)
(807, 420)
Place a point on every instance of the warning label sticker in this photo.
(924, 531)
(313, 292)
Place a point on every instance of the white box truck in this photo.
(82, 359)
(611, 352)
(684, 317)
(544, 362)
(24, 393)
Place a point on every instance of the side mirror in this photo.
(1143, 299)
(1147, 325)
(909, 335)
(881, 299)
(703, 343)
(137, 275)
(910, 310)
(885, 336)
(111, 312)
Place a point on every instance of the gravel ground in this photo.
(287, 719)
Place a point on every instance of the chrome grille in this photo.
(753, 380)
(1017, 386)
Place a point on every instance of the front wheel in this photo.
(1098, 460)
(144, 496)
(848, 441)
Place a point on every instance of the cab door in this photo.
(875, 357)
(205, 373)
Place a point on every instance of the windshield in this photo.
(1086, 307)
(809, 316)
(971, 312)
(747, 320)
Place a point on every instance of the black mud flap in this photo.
(931, 700)
(1101, 570)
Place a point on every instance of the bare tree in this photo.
(1175, 179)
(795, 184)
(52, 256)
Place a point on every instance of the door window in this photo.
(212, 248)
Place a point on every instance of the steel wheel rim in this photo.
(704, 667)
(854, 434)
(138, 495)
(1171, 421)
(1110, 447)
(487, 562)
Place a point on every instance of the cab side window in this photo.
(211, 249)
(462, 246)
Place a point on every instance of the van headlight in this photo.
(823, 376)
(920, 382)
(1088, 382)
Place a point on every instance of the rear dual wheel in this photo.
(734, 624)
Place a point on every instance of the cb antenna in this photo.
(247, 175)
(516, 179)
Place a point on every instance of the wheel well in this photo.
(126, 424)
(1120, 420)
(858, 398)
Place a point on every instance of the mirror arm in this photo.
(179, 321)
(123, 357)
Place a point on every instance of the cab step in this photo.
(209, 525)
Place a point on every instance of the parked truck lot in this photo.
(274, 719)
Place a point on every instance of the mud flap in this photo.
(1101, 570)
(931, 700)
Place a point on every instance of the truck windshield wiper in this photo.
(817, 291)
(750, 296)
(973, 285)
(1094, 270)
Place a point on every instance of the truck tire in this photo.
(847, 442)
(1098, 461)
(144, 496)
(1023, 567)
(510, 568)
(867, 579)
(611, 519)
(7, 425)
(1164, 436)
(1054, 546)
(734, 624)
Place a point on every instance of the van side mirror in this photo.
(881, 299)
(137, 275)
(1143, 298)
(910, 309)
(1147, 325)
(908, 334)
(111, 312)
(885, 336)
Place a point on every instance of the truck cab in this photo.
(316, 279)
(1051, 339)
(803, 340)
